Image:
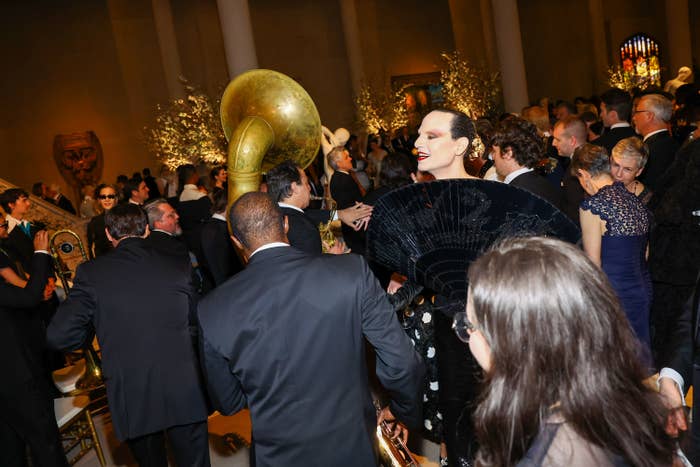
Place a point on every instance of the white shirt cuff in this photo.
(42, 251)
(676, 377)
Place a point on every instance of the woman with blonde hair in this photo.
(627, 161)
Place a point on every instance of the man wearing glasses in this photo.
(650, 119)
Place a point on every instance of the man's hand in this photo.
(676, 420)
(338, 248)
(395, 283)
(398, 428)
(41, 240)
(356, 216)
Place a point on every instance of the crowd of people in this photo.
(544, 366)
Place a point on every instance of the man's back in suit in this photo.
(303, 233)
(219, 258)
(286, 338)
(537, 184)
(662, 151)
(140, 303)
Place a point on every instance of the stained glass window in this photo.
(639, 56)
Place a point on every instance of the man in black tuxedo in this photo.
(26, 406)
(651, 117)
(346, 192)
(288, 184)
(165, 230)
(15, 202)
(53, 196)
(615, 111)
(219, 258)
(570, 133)
(286, 338)
(517, 148)
(141, 305)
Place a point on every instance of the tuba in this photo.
(392, 452)
(67, 250)
(267, 118)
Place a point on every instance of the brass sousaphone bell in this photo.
(267, 118)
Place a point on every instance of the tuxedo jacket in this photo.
(540, 186)
(141, 305)
(21, 330)
(286, 338)
(662, 151)
(345, 192)
(573, 196)
(219, 259)
(20, 246)
(613, 136)
(303, 232)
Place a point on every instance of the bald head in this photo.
(257, 220)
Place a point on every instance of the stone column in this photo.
(487, 31)
(600, 58)
(678, 30)
(167, 42)
(510, 54)
(351, 33)
(237, 30)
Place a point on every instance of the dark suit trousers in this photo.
(27, 418)
(189, 445)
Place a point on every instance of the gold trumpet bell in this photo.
(267, 117)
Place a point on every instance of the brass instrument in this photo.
(326, 230)
(63, 251)
(267, 118)
(63, 245)
(392, 452)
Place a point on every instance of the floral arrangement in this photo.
(187, 131)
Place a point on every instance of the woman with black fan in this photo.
(444, 138)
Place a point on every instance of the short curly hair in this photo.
(520, 136)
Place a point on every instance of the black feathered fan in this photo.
(431, 232)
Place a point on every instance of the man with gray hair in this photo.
(650, 119)
(164, 223)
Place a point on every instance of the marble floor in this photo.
(227, 439)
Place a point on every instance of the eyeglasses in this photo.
(107, 196)
(463, 327)
(640, 111)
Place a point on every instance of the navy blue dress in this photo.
(623, 251)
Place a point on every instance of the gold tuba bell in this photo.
(267, 118)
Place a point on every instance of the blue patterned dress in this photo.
(623, 251)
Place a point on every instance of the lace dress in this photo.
(623, 251)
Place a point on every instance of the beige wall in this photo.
(70, 68)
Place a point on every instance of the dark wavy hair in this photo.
(520, 136)
(280, 179)
(558, 336)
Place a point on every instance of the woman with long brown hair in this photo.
(563, 384)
